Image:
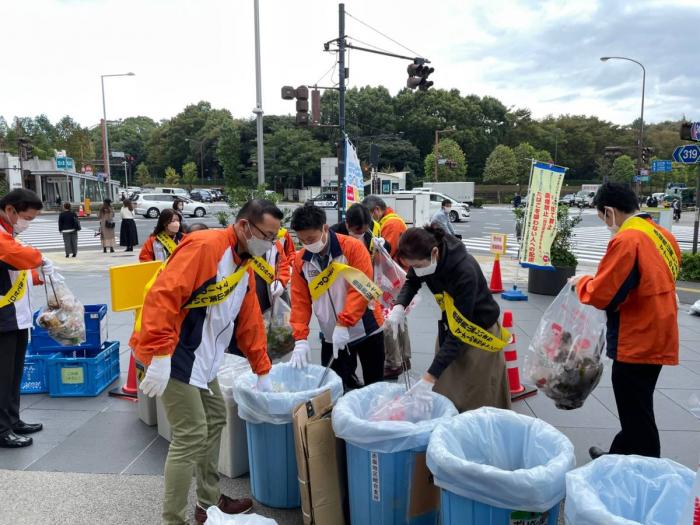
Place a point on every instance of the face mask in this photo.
(174, 227)
(316, 247)
(257, 247)
(427, 270)
(21, 225)
(614, 228)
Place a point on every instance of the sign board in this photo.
(354, 179)
(118, 154)
(661, 166)
(65, 163)
(641, 178)
(689, 154)
(499, 242)
(695, 131)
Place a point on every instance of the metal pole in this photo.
(258, 103)
(697, 212)
(641, 129)
(105, 136)
(341, 113)
(556, 145)
(201, 159)
(437, 139)
(126, 178)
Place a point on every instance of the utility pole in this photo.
(697, 212)
(342, 192)
(258, 102)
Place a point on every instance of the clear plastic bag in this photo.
(280, 339)
(63, 318)
(216, 517)
(564, 354)
(291, 386)
(502, 459)
(627, 490)
(352, 419)
(388, 275)
(695, 308)
(397, 407)
(397, 345)
(232, 366)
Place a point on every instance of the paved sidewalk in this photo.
(95, 462)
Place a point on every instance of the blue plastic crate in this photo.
(85, 373)
(95, 332)
(34, 378)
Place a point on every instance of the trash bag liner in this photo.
(627, 490)
(502, 459)
(350, 420)
(231, 367)
(291, 386)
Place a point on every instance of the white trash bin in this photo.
(233, 454)
(147, 405)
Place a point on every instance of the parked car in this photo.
(217, 194)
(568, 200)
(151, 204)
(324, 200)
(180, 192)
(459, 212)
(201, 196)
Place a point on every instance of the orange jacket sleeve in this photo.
(301, 299)
(613, 275)
(250, 330)
(282, 272)
(289, 248)
(17, 256)
(358, 257)
(147, 254)
(392, 231)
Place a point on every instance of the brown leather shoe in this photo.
(227, 506)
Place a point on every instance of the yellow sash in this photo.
(668, 254)
(218, 292)
(468, 332)
(376, 232)
(358, 280)
(281, 233)
(390, 216)
(17, 291)
(167, 242)
(263, 269)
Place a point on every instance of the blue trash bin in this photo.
(386, 459)
(268, 415)
(497, 467)
(619, 490)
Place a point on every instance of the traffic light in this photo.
(302, 94)
(315, 106)
(26, 149)
(686, 128)
(288, 93)
(418, 74)
(646, 154)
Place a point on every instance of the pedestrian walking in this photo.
(636, 285)
(470, 376)
(128, 236)
(165, 237)
(676, 209)
(107, 226)
(441, 218)
(69, 226)
(18, 265)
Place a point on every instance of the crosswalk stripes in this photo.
(43, 234)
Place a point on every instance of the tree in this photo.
(228, 153)
(524, 153)
(189, 175)
(622, 169)
(172, 178)
(292, 157)
(454, 166)
(143, 177)
(501, 166)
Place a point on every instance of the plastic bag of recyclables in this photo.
(564, 354)
(280, 339)
(63, 317)
(290, 386)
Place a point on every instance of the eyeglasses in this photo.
(266, 236)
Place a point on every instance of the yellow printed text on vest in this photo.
(219, 291)
(263, 269)
(358, 280)
(16, 291)
(664, 247)
(167, 242)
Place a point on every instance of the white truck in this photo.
(414, 208)
(584, 198)
(460, 191)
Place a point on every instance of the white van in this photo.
(150, 205)
(459, 211)
(180, 192)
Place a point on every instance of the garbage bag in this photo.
(291, 386)
(280, 339)
(695, 308)
(502, 459)
(216, 517)
(351, 420)
(388, 275)
(627, 490)
(63, 318)
(564, 354)
(231, 367)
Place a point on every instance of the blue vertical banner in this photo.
(354, 179)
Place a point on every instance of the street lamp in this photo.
(201, 156)
(640, 141)
(437, 144)
(105, 136)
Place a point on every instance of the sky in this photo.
(541, 55)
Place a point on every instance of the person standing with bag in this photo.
(128, 236)
(107, 226)
(69, 226)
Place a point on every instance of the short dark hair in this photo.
(418, 243)
(197, 226)
(308, 217)
(618, 195)
(445, 202)
(254, 209)
(372, 201)
(66, 206)
(358, 216)
(21, 200)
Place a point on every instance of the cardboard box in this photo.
(320, 462)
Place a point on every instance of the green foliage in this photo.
(189, 175)
(501, 166)
(622, 169)
(478, 203)
(238, 196)
(292, 157)
(450, 151)
(143, 176)
(4, 187)
(228, 151)
(690, 267)
(524, 153)
(223, 217)
(172, 178)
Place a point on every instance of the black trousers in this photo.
(634, 386)
(13, 346)
(370, 350)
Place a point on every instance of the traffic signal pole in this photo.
(697, 212)
(342, 192)
(258, 100)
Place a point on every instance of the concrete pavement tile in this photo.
(689, 336)
(694, 366)
(678, 377)
(152, 459)
(521, 407)
(122, 405)
(100, 445)
(686, 353)
(592, 414)
(21, 458)
(58, 424)
(92, 404)
(28, 400)
(681, 446)
(682, 399)
(584, 438)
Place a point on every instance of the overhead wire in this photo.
(382, 34)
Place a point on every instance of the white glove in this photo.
(421, 393)
(276, 289)
(395, 318)
(157, 376)
(341, 337)
(379, 242)
(47, 267)
(300, 355)
(264, 383)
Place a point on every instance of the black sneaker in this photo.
(596, 452)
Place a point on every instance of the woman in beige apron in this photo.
(470, 376)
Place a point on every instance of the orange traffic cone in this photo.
(510, 352)
(129, 389)
(81, 211)
(496, 285)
